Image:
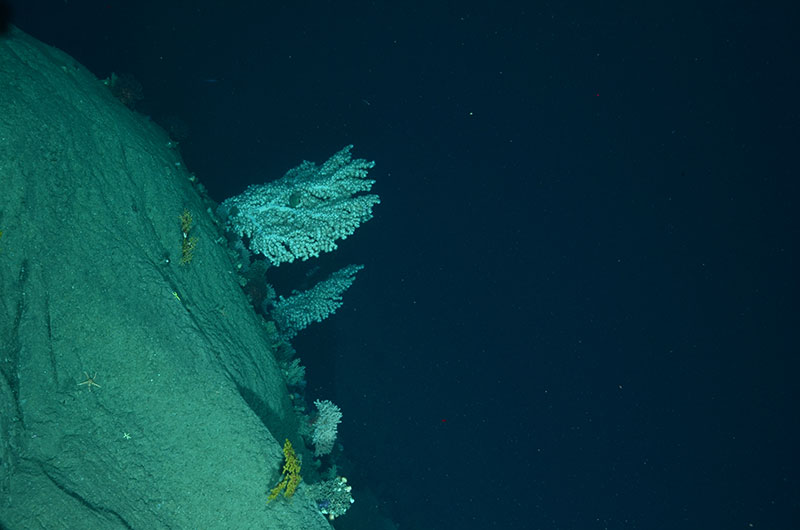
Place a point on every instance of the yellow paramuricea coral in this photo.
(189, 242)
(291, 474)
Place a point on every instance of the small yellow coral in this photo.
(290, 474)
(189, 242)
(186, 221)
(187, 249)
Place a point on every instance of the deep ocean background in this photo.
(578, 308)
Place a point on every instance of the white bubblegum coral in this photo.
(306, 211)
(300, 309)
(325, 426)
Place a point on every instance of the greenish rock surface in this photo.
(182, 422)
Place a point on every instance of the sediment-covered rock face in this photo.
(136, 391)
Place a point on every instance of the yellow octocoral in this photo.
(290, 474)
(189, 242)
(186, 221)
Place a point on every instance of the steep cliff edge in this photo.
(136, 391)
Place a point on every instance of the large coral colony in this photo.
(300, 216)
